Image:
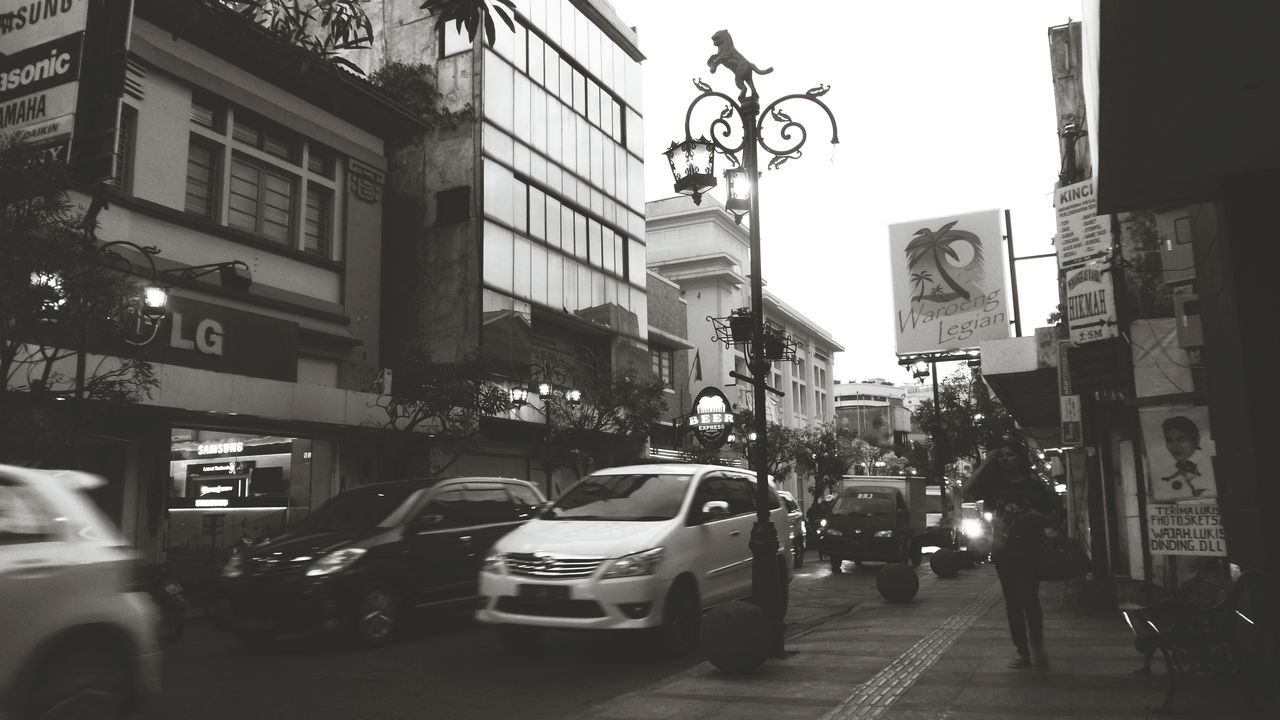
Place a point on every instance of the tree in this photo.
(826, 453)
(443, 403)
(611, 423)
(473, 14)
(782, 444)
(967, 418)
(326, 28)
(55, 288)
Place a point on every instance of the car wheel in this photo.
(681, 620)
(375, 616)
(81, 682)
(521, 638)
(836, 564)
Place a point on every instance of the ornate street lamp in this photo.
(693, 164)
(694, 175)
(548, 379)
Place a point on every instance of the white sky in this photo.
(944, 107)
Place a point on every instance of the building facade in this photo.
(702, 250)
(518, 229)
(876, 411)
(226, 153)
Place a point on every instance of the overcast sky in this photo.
(943, 106)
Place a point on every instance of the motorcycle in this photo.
(171, 602)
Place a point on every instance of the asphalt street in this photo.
(447, 666)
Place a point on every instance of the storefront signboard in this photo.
(1072, 420)
(712, 418)
(27, 23)
(1091, 304)
(1083, 234)
(38, 91)
(1186, 528)
(223, 339)
(948, 282)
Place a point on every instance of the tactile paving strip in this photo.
(870, 699)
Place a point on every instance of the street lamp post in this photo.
(552, 381)
(693, 167)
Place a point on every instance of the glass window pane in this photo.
(499, 143)
(597, 159)
(595, 250)
(555, 128)
(584, 287)
(635, 133)
(580, 238)
(582, 164)
(521, 260)
(580, 37)
(593, 50)
(551, 70)
(521, 159)
(498, 200)
(318, 219)
(568, 133)
(552, 25)
(455, 40)
(568, 26)
(566, 230)
(597, 289)
(499, 91)
(579, 92)
(538, 119)
(635, 183)
(519, 52)
(619, 255)
(635, 262)
(498, 257)
(606, 245)
(593, 103)
(538, 274)
(553, 222)
(570, 285)
(243, 200)
(505, 44)
(609, 174)
(523, 106)
(566, 83)
(520, 193)
(537, 213)
(555, 281)
(277, 207)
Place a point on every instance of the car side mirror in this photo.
(714, 508)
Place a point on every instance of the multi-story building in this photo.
(519, 231)
(233, 146)
(702, 249)
(875, 410)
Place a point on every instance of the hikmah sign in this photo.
(712, 420)
(1091, 304)
(948, 282)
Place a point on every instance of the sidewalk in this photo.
(943, 655)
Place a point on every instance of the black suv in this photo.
(361, 560)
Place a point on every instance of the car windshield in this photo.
(864, 503)
(359, 509)
(639, 497)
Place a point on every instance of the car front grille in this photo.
(259, 567)
(550, 608)
(544, 565)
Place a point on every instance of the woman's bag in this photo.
(1062, 558)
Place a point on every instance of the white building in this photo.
(702, 249)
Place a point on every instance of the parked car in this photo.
(630, 548)
(79, 630)
(365, 557)
(795, 519)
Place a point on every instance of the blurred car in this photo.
(795, 519)
(630, 548)
(975, 530)
(79, 630)
(365, 557)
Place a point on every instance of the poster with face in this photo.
(1179, 452)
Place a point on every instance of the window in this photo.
(660, 365)
(202, 178)
(453, 205)
(23, 517)
(251, 174)
(261, 199)
(452, 39)
(125, 142)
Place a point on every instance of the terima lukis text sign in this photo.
(1186, 529)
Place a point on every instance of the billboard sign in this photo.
(1191, 528)
(1091, 305)
(712, 418)
(1179, 452)
(1083, 234)
(27, 24)
(38, 88)
(948, 282)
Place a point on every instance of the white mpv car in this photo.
(77, 634)
(645, 546)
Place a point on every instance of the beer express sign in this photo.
(711, 421)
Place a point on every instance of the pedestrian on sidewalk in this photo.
(1024, 510)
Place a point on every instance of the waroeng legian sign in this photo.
(711, 420)
(1083, 234)
(1091, 303)
(948, 282)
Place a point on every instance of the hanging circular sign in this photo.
(711, 421)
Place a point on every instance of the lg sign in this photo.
(206, 339)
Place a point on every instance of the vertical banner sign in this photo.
(1091, 305)
(1082, 233)
(1070, 415)
(948, 282)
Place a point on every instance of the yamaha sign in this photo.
(712, 420)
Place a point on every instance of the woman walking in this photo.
(1024, 509)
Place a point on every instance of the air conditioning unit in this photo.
(1177, 255)
(1186, 310)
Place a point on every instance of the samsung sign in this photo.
(31, 22)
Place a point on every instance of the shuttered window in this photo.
(316, 231)
(261, 200)
(202, 174)
(123, 177)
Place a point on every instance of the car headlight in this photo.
(635, 564)
(883, 533)
(834, 532)
(822, 522)
(496, 563)
(336, 561)
(971, 527)
(233, 568)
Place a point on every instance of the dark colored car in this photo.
(363, 559)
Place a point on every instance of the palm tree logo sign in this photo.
(944, 264)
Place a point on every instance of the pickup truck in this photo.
(876, 519)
